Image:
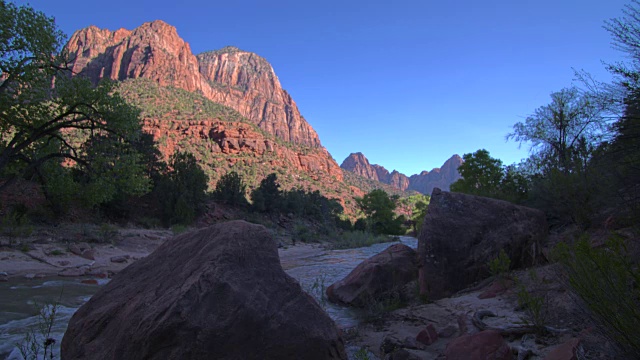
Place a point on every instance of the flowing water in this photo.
(19, 299)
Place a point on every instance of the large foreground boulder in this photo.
(376, 277)
(217, 293)
(462, 233)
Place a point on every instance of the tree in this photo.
(378, 207)
(623, 154)
(231, 190)
(555, 130)
(418, 215)
(267, 197)
(42, 123)
(481, 174)
(181, 191)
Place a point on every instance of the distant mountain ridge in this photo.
(424, 182)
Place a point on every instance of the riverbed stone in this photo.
(428, 335)
(73, 272)
(462, 233)
(379, 276)
(89, 254)
(215, 293)
(565, 351)
(485, 345)
(120, 259)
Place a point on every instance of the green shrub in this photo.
(356, 239)
(181, 192)
(499, 267)
(38, 343)
(360, 225)
(231, 190)
(16, 223)
(302, 233)
(535, 308)
(362, 354)
(107, 233)
(376, 307)
(318, 290)
(608, 282)
(179, 229)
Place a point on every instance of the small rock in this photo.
(496, 288)
(90, 281)
(428, 335)
(63, 262)
(120, 259)
(75, 249)
(89, 254)
(447, 332)
(30, 276)
(101, 274)
(488, 344)
(4, 277)
(84, 246)
(565, 351)
(389, 344)
(72, 272)
(411, 343)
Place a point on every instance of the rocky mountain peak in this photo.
(359, 164)
(239, 79)
(424, 182)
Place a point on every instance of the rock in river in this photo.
(376, 277)
(216, 293)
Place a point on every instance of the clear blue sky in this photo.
(407, 83)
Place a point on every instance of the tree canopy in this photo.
(378, 208)
(572, 121)
(48, 115)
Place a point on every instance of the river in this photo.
(19, 298)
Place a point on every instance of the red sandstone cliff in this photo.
(241, 80)
(220, 138)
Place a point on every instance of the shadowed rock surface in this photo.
(376, 276)
(462, 233)
(485, 345)
(217, 293)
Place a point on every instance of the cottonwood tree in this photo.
(379, 208)
(484, 175)
(555, 131)
(47, 115)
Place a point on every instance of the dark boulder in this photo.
(376, 277)
(216, 293)
(462, 233)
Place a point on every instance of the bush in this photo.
(267, 197)
(360, 225)
(231, 190)
(38, 343)
(356, 239)
(535, 308)
(608, 282)
(500, 266)
(181, 192)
